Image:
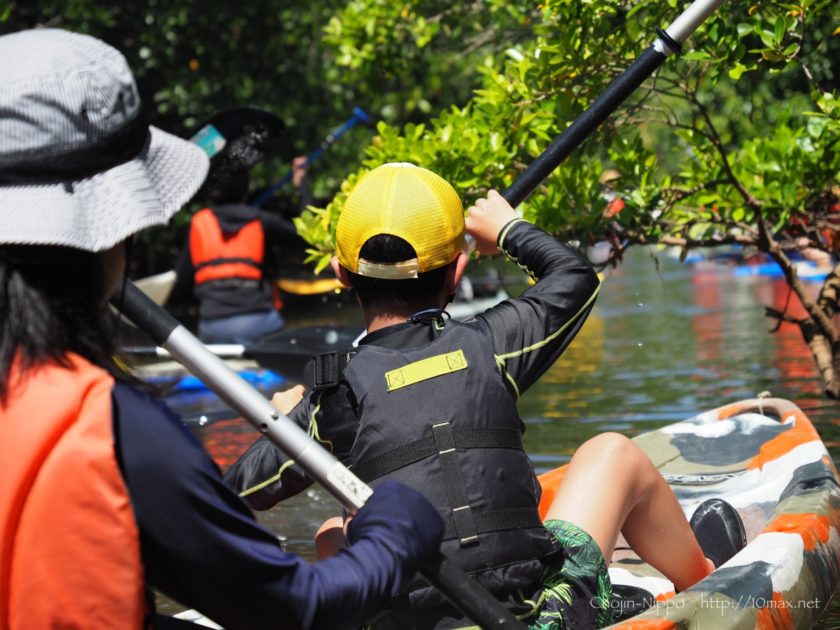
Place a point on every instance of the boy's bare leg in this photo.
(611, 486)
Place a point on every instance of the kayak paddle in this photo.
(669, 41)
(359, 116)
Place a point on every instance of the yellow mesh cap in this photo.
(407, 201)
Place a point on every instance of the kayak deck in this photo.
(766, 459)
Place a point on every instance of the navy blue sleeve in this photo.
(201, 545)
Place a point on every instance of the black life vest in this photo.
(440, 419)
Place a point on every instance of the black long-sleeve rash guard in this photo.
(527, 333)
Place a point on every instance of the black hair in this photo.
(226, 187)
(51, 304)
(417, 292)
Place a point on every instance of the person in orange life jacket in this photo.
(615, 204)
(227, 261)
(431, 402)
(105, 494)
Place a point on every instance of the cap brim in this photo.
(100, 211)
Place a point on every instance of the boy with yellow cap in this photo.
(432, 402)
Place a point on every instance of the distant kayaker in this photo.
(105, 495)
(432, 402)
(227, 262)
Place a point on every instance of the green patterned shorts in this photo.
(576, 593)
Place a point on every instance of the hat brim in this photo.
(251, 135)
(98, 212)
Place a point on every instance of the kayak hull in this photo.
(767, 460)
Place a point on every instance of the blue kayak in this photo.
(197, 404)
(805, 270)
(259, 378)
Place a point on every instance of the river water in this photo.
(665, 341)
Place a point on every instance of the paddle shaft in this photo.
(223, 350)
(464, 592)
(358, 116)
(625, 84)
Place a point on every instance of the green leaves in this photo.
(723, 128)
(746, 123)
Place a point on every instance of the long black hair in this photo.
(51, 304)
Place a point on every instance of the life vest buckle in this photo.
(329, 369)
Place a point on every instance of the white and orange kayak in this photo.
(765, 458)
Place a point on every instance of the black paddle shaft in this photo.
(615, 94)
(626, 83)
(461, 590)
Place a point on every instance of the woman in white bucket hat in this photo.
(105, 495)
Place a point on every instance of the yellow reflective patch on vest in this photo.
(426, 369)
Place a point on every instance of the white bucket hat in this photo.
(79, 166)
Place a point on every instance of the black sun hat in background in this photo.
(236, 140)
(239, 138)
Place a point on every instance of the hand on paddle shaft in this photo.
(300, 166)
(485, 221)
(358, 116)
(288, 399)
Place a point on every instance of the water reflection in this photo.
(699, 340)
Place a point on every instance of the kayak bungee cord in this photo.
(463, 592)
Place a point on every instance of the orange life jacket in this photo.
(70, 555)
(615, 206)
(218, 256)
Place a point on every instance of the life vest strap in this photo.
(381, 465)
(224, 261)
(453, 481)
(232, 283)
(496, 521)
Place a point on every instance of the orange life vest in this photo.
(218, 256)
(615, 206)
(70, 555)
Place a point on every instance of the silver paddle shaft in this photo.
(319, 464)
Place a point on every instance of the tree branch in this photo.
(681, 193)
(639, 238)
(751, 201)
(821, 319)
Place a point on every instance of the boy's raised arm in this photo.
(531, 331)
(263, 475)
